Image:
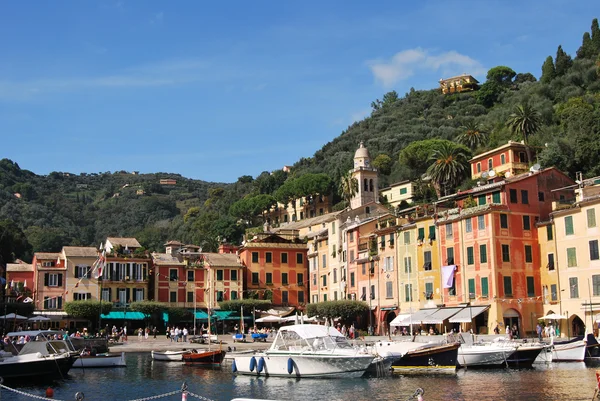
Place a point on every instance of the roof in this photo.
(47, 255)
(165, 259)
(296, 225)
(124, 242)
(361, 151)
(222, 259)
(397, 184)
(81, 251)
(173, 243)
(19, 267)
(459, 76)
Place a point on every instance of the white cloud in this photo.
(404, 64)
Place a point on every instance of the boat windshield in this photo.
(292, 341)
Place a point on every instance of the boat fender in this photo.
(252, 364)
(290, 366)
(233, 367)
(261, 365)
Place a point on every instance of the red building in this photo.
(276, 267)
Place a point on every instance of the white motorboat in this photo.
(306, 350)
(105, 360)
(44, 354)
(169, 355)
(485, 354)
(572, 351)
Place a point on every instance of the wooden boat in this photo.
(105, 360)
(204, 357)
(169, 355)
(569, 351)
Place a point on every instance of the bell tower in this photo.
(367, 178)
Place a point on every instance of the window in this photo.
(569, 225)
(432, 232)
(452, 290)
(571, 257)
(573, 287)
(351, 235)
(483, 253)
(172, 274)
(408, 292)
(106, 294)
(388, 264)
(407, 265)
(448, 230)
(352, 280)
(299, 259)
(550, 261)
(300, 278)
(479, 167)
(485, 292)
(450, 256)
(335, 276)
(481, 200)
(526, 223)
(284, 257)
(351, 255)
(255, 278)
(428, 290)
(284, 297)
(594, 250)
(220, 296)
(53, 303)
(513, 196)
(219, 275)
(406, 237)
(53, 280)
(503, 220)
(324, 280)
(541, 197)
(470, 256)
(549, 234)
(392, 239)
(269, 278)
(524, 197)
(254, 257)
(496, 197)
(324, 258)
(300, 297)
(530, 286)
(591, 218)
(507, 286)
(173, 296)
(333, 228)
(190, 296)
(490, 164)
(427, 260)
(81, 296)
(190, 276)
(502, 159)
(505, 253)
(234, 295)
(364, 269)
(553, 292)
(284, 278)
(389, 289)
(314, 279)
(382, 241)
(481, 222)
(528, 254)
(468, 225)
(268, 257)
(596, 285)
(82, 271)
(471, 288)
(403, 191)
(234, 275)
(421, 235)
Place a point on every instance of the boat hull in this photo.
(101, 361)
(569, 352)
(168, 356)
(33, 367)
(299, 365)
(481, 356)
(437, 359)
(524, 356)
(204, 358)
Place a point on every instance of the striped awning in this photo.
(442, 314)
(468, 314)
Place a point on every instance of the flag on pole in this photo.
(99, 265)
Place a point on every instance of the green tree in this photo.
(489, 93)
(383, 163)
(587, 47)
(548, 71)
(89, 309)
(450, 166)
(473, 135)
(524, 77)
(595, 35)
(148, 308)
(248, 304)
(388, 100)
(501, 75)
(563, 62)
(416, 155)
(13, 243)
(49, 239)
(344, 309)
(348, 187)
(524, 121)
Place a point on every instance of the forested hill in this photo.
(561, 111)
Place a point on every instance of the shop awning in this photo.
(468, 313)
(201, 315)
(399, 318)
(417, 317)
(124, 315)
(441, 315)
(225, 315)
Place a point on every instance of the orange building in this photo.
(505, 161)
(276, 267)
(49, 281)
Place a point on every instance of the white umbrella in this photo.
(270, 319)
(38, 319)
(552, 316)
(13, 316)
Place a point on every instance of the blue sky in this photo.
(216, 91)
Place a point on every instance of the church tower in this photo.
(367, 178)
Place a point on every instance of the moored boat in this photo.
(105, 360)
(411, 357)
(204, 358)
(525, 355)
(570, 351)
(306, 350)
(169, 355)
(485, 355)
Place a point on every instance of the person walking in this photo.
(538, 330)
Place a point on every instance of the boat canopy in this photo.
(468, 314)
(312, 330)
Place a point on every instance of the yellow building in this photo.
(460, 83)
(428, 262)
(398, 192)
(548, 269)
(578, 259)
(81, 283)
(408, 271)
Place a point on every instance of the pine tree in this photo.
(587, 47)
(548, 71)
(596, 35)
(563, 62)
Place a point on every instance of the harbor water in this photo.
(144, 378)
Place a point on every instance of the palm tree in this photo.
(473, 135)
(450, 165)
(525, 121)
(348, 187)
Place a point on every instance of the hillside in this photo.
(66, 209)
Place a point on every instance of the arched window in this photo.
(490, 164)
(365, 185)
(502, 159)
(371, 185)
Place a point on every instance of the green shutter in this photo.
(431, 232)
(421, 234)
(483, 253)
(549, 234)
(481, 200)
(470, 257)
(571, 257)
(591, 217)
(530, 287)
(471, 288)
(484, 287)
(496, 197)
(569, 225)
